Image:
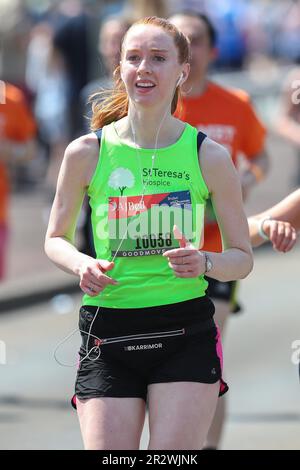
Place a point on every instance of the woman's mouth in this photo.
(145, 85)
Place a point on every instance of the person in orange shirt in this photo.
(227, 117)
(17, 131)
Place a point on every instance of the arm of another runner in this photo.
(282, 229)
(79, 162)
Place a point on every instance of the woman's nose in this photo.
(144, 66)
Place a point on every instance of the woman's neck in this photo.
(148, 129)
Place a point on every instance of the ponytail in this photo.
(109, 105)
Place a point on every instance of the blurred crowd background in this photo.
(51, 50)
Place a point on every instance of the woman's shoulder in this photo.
(82, 155)
(85, 145)
(215, 161)
(212, 153)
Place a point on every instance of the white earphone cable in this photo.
(97, 348)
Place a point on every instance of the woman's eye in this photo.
(159, 58)
(133, 58)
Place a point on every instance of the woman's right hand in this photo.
(93, 278)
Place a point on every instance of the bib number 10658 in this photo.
(154, 241)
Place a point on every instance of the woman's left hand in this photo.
(185, 261)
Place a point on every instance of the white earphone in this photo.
(179, 79)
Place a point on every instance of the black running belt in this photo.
(187, 331)
(200, 137)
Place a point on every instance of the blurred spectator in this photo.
(60, 61)
(46, 78)
(258, 27)
(75, 43)
(190, 5)
(17, 132)
(227, 17)
(286, 41)
(15, 27)
(243, 28)
(136, 9)
(288, 122)
(111, 34)
(250, 27)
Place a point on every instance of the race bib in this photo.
(143, 226)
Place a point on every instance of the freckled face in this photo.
(150, 66)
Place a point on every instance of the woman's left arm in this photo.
(236, 261)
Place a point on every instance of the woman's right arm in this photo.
(78, 164)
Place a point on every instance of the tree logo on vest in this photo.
(121, 179)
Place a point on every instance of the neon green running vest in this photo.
(136, 230)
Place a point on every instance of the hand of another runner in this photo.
(282, 235)
(93, 278)
(185, 261)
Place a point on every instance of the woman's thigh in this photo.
(180, 414)
(111, 423)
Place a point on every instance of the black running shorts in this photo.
(170, 343)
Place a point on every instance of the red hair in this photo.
(112, 105)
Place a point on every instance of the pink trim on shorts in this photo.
(73, 399)
(74, 402)
(223, 385)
